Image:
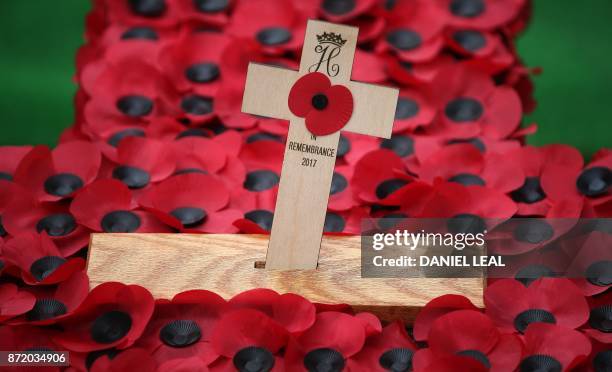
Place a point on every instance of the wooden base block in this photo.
(167, 264)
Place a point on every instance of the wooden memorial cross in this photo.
(298, 260)
(306, 178)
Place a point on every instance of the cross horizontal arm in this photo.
(373, 109)
(266, 91)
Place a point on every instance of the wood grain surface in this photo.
(167, 264)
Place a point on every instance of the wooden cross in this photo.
(306, 178)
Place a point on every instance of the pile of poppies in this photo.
(159, 144)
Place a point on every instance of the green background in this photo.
(568, 38)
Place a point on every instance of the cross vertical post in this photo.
(305, 182)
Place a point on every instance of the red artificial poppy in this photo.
(333, 338)
(183, 365)
(479, 14)
(445, 363)
(352, 147)
(600, 358)
(436, 308)
(248, 337)
(470, 104)
(193, 62)
(414, 110)
(27, 215)
(14, 302)
(419, 74)
(167, 128)
(182, 328)
(122, 33)
(27, 338)
(158, 12)
(213, 13)
(379, 174)
(113, 315)
(58, 174)
(341, 194)
(368, 67)
(10, 157)
(426, 145)
(600, 318)
(471, 334)
(54, 303)
(346, 222)
(340, 11)
(326, 108)
(107, 205)
(391, 349)
(39, 260)
(263, 161)
(590, 261)
(9, 192)
(292, 311)
(413, 32)
(277, 25)
(126, 360)
(192, 202)
(513, 307)
(553, 347)
(465, 164)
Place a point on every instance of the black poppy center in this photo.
(263, 136)
(466, 223)
(63, 184)
(59, 224)
(319, 101)
(6, 176)
(339, 183)
(344, 146)
(3, 232)
(601, 318)
(133, 177)
(603, 361)
(204, 72)
(192, 132)
(324, 360)
(406, 108)
(211, 6)
(273, 36)
(190, 170)
(522, 320)
(463, 110)
(404, 39)
(467, 8)
(389, 221)
(478, 355)
(197, 105)
(401, 145)
(46, 308)
(189, 216)
(470, 40)
(148, 8)
(396, 360)
(528, 274)
(120, 222)
(531, 191)
(110, 327)
(540, 363)
(135, 105)
(467, 179)
(94, 355)
(533, 231)
(388, 187)
(333, 223)
(261, 217)
(338, 7)
(594, 181)
(600, 273)
(143, 33)
(45, 266)
(180, 333)
(261, 180)
(253, 359)
(476, 142)
(116, 138)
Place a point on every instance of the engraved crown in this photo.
(331, 38)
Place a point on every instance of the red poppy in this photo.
(391, 349)
(182, 328)
(121, 33)
(341, 194)
(107, 206)
(414, 109)
(326, 108)
(374, 183)
(39, 260)
(470, 104)
(158, 12)
(553, 347)
(248, 337)
(333, 338)
(126, 360)
(28, 338)
(479, 14)
(54, 303)
(180, 203)
(446, 363)
(368, 67)
(183, 365)
(419, 74)
(513, 307)
(340, 11)
(263, 162)
(213, 13)
(435, 309)
(277, 25)
(58, 174)
(413, 32)
(427, 145)
(113, 315)
(10, 157)
(346, 222)
(590, 262)
(600, 318)
(600, 358)
(193, 62)
(14, 302)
